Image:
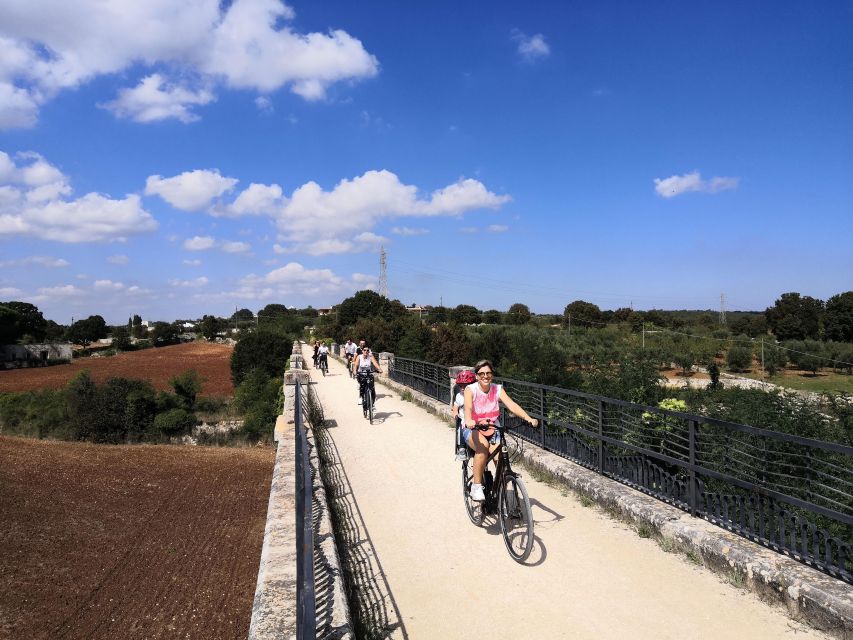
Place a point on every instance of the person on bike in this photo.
(363, 364)
(350, 349)
(323, 356)
(457, 408)
(482, 409)
(316, 349)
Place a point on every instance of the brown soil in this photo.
(100, 541)
(212, 361)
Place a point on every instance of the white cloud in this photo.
(277, 248)
(264, 105)
(363, 278)
(531, 48)
(235, 247)
(44, 261)
(9, 292)
(31, 204)
(408, 231)
(201, 281)
(193, 263)
(256, 199)
(191, 190)
(321, 222)
(154, 98)
(108, 285)
(293, 278)
(118, 259)
(199, 243)
(53, 45)
(62, 291)
(676, 185)
(497, 228)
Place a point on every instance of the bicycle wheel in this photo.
(370, 408)
(516, 518)
(364, 404)
(474, 509)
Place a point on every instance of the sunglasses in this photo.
(484, 374)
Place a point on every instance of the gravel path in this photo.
(588, 576)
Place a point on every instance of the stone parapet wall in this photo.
(274, 607)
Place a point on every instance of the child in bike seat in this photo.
(457, 408)
(482, 409)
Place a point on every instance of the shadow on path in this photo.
(374, 610)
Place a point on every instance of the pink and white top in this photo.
(484, 405)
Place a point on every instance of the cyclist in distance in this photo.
(363, 364)
(350, 349)
(482, 408)
(323, 355)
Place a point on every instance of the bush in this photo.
(187, 386)
(175, 422)
(739, 357)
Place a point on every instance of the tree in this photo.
(465, 314)
(20, 319)
(439, 314)
(211, 326)
(138, 330)
(84, 332)
(838, 317)
(684, 359)
(121, 338)
(795, 317)
(175, 422)
(368, 304)
(492, 316)
(449, 345)
(774, 357)
(739, 357)
(518, 314)
(581, 313)
(243, 315)
(165, 333)
(262, 350)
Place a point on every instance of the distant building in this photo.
(420, 310)
(13, 356)
(324, 312)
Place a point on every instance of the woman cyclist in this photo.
(363, 364)
(481, 407)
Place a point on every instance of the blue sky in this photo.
(177, 158)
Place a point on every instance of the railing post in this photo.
(601, 437)
(691, 489)
(542, 408)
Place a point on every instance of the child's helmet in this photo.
(465, 377)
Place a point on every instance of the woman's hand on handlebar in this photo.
(533, 422)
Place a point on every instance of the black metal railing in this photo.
(306, 617)
(791, 494)
(428, 378)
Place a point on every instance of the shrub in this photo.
(739, 357)
(175, 422)
(187, 386)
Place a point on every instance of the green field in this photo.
(823, 381)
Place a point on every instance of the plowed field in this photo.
(212, 361)
(100, 541)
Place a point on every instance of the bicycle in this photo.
(324, 363)
(349, 365)
(366, 393)
(506, 497)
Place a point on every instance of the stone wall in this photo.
(274, 608)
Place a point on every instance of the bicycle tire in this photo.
(370, 410)
(516, 518)
(474, 509)
(364, 405)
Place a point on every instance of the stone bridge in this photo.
(608, 561)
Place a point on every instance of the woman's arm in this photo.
(515, 408)
(469, 405)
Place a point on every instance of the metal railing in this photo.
(428, 378)
(788, 493)
(306, 617)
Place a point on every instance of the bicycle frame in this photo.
(503, 468)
